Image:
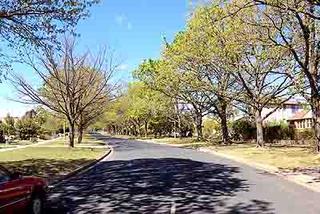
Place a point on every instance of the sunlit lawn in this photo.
(87, 141)
(281, 157)
(49, 162)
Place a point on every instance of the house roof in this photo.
(292, 102)
(301, 115)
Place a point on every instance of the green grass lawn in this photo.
(49, 162)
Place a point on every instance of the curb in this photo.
(80, 170)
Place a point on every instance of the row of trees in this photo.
(141, 111)
(33, 124)
(247, 54)
(220, 62)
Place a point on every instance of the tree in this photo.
(26, 23)
(146, 105)
(139, 110)
(50, 122)
(203, 51)
(28, 128)
(93, 108)
(9, 125)
(67, 82)
(296, 26)
(239, 62)
(263, 83)
(178, 84)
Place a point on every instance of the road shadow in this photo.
(165, 185)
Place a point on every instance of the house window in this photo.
(299, 124)
(309, 123)
(294, 108)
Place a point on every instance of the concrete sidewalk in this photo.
(30, 145)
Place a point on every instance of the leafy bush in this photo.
(243, 130)
(211, 128)
(278, 131)
(304, 134)
(27, 128)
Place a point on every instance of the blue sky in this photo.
(133, 28)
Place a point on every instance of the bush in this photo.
(246, 130)
(211, 128)
(304, 134)
(243, 130)
(278, 131)
(2, 139)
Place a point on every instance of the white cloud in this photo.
(120, 19)
(123, 67)
(129, 26)
(123, 21)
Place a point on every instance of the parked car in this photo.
(21, 194)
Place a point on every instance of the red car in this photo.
(21, 194)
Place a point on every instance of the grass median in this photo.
(49, 162)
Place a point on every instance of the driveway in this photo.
(144, 177)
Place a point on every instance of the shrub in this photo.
(304, 134)
(243, 130)
(211, 128)
(278, 131)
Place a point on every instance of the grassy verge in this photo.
(49, 162)
(88, 141)
(281, 157)
(284, 158)
(177, 140)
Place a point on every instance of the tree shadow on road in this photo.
(154, 186)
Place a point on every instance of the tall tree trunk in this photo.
(313, 66)
(224, 129)
(259, 126)
(71, 133)
(80, 135)
(316, 120)
(146, 128)
(178, 122)
(224, 123)
(198, 126)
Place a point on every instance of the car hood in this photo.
(35, 180)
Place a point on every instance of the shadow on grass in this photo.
(155, 186)
(48, 168)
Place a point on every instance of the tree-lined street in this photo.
(237, 79)
(144, 177)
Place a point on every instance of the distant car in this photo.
(21, 194)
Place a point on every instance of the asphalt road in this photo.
(149, 178)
